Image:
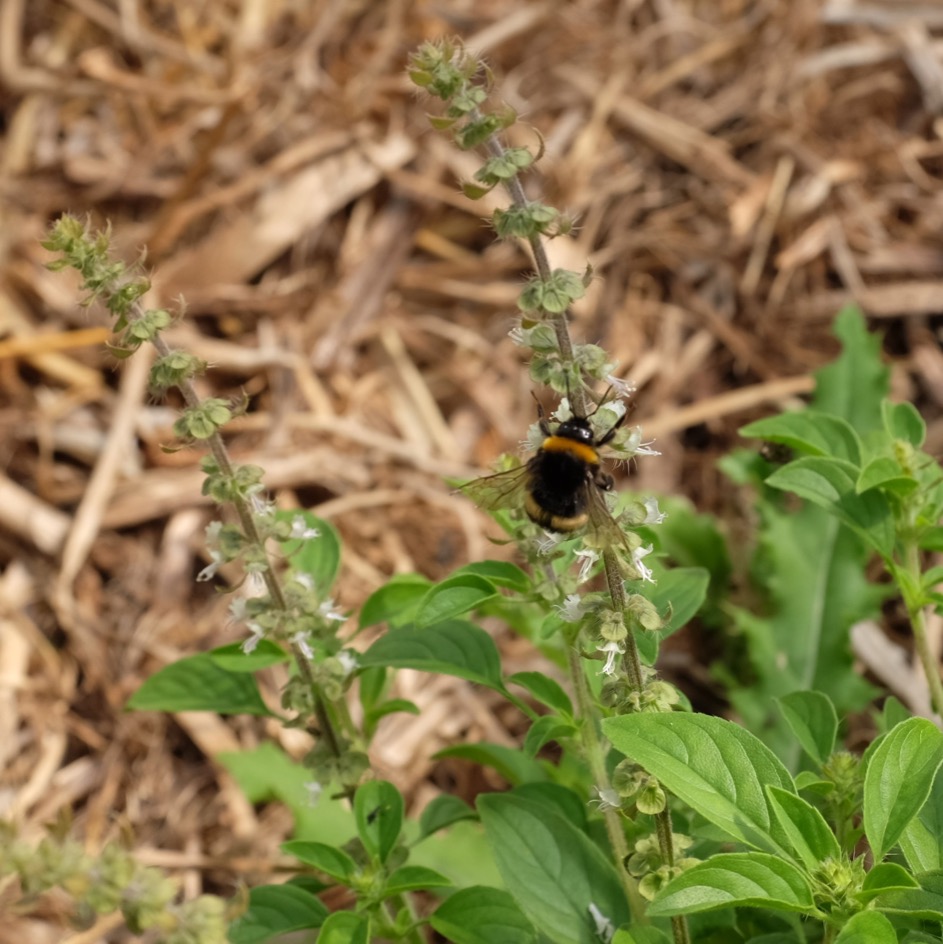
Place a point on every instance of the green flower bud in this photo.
(174, 370)
(612, 626)
(613, 692)
(478, 130)
(201, 921)
(651, 798)
(148, 326)
(202, 421)
(592, 358)
(554, 294)
(524, 222)
(122, 299)
(626, 778)
(663, 696)
(352, 767)
(844, 770)
(643, 612)
(548, 370)
(654, 882)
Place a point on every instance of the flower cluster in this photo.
(606, 628)
(647, 863)
(120, 289)
(114, 881)
(289, 610)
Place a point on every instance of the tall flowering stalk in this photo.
(607, 626)
(287, 609)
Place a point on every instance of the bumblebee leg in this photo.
(602, 480)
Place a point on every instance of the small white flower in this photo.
(534, 439)
(306, 580)
(348, 659)
(212, 533)
(607, 799)
(549, 541)
(314, 791)
(209, 571)
(301, 531)
(588, 558)
(636, 447)
(516, 334)
(637, 555)
(255, 584)
(328, 611)
(605, 929)
(571, 610)
(653, 514)
(612, 650)
(633, 440)
(249, 646)
(622, 387)
(263, 507)
(237, 609)
(300, 639)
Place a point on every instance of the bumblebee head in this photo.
(578, 429)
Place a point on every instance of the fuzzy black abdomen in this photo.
(557, 483)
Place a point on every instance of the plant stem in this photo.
(633, 668)
(88, 253)
(398, 902)
(931, 669)
(597, 767)
(631, 661)
(918, 625)
(679, 924)
(679, 929)
(542, 264)
(326, 727)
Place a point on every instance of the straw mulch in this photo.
(740, 170)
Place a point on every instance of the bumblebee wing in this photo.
(603, 528)
(502, 490)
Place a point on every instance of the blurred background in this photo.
(739, 170)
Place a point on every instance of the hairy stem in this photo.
(679, 924)
(633, 667)
(542, 264)
(918, 625)
(592, 748)
(631, 660)
(326, 726)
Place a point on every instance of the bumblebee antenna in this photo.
(603, 400)
(541, 417)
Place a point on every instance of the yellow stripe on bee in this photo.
(554, 522)
(582, 451)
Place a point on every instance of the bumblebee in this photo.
(562, 487)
